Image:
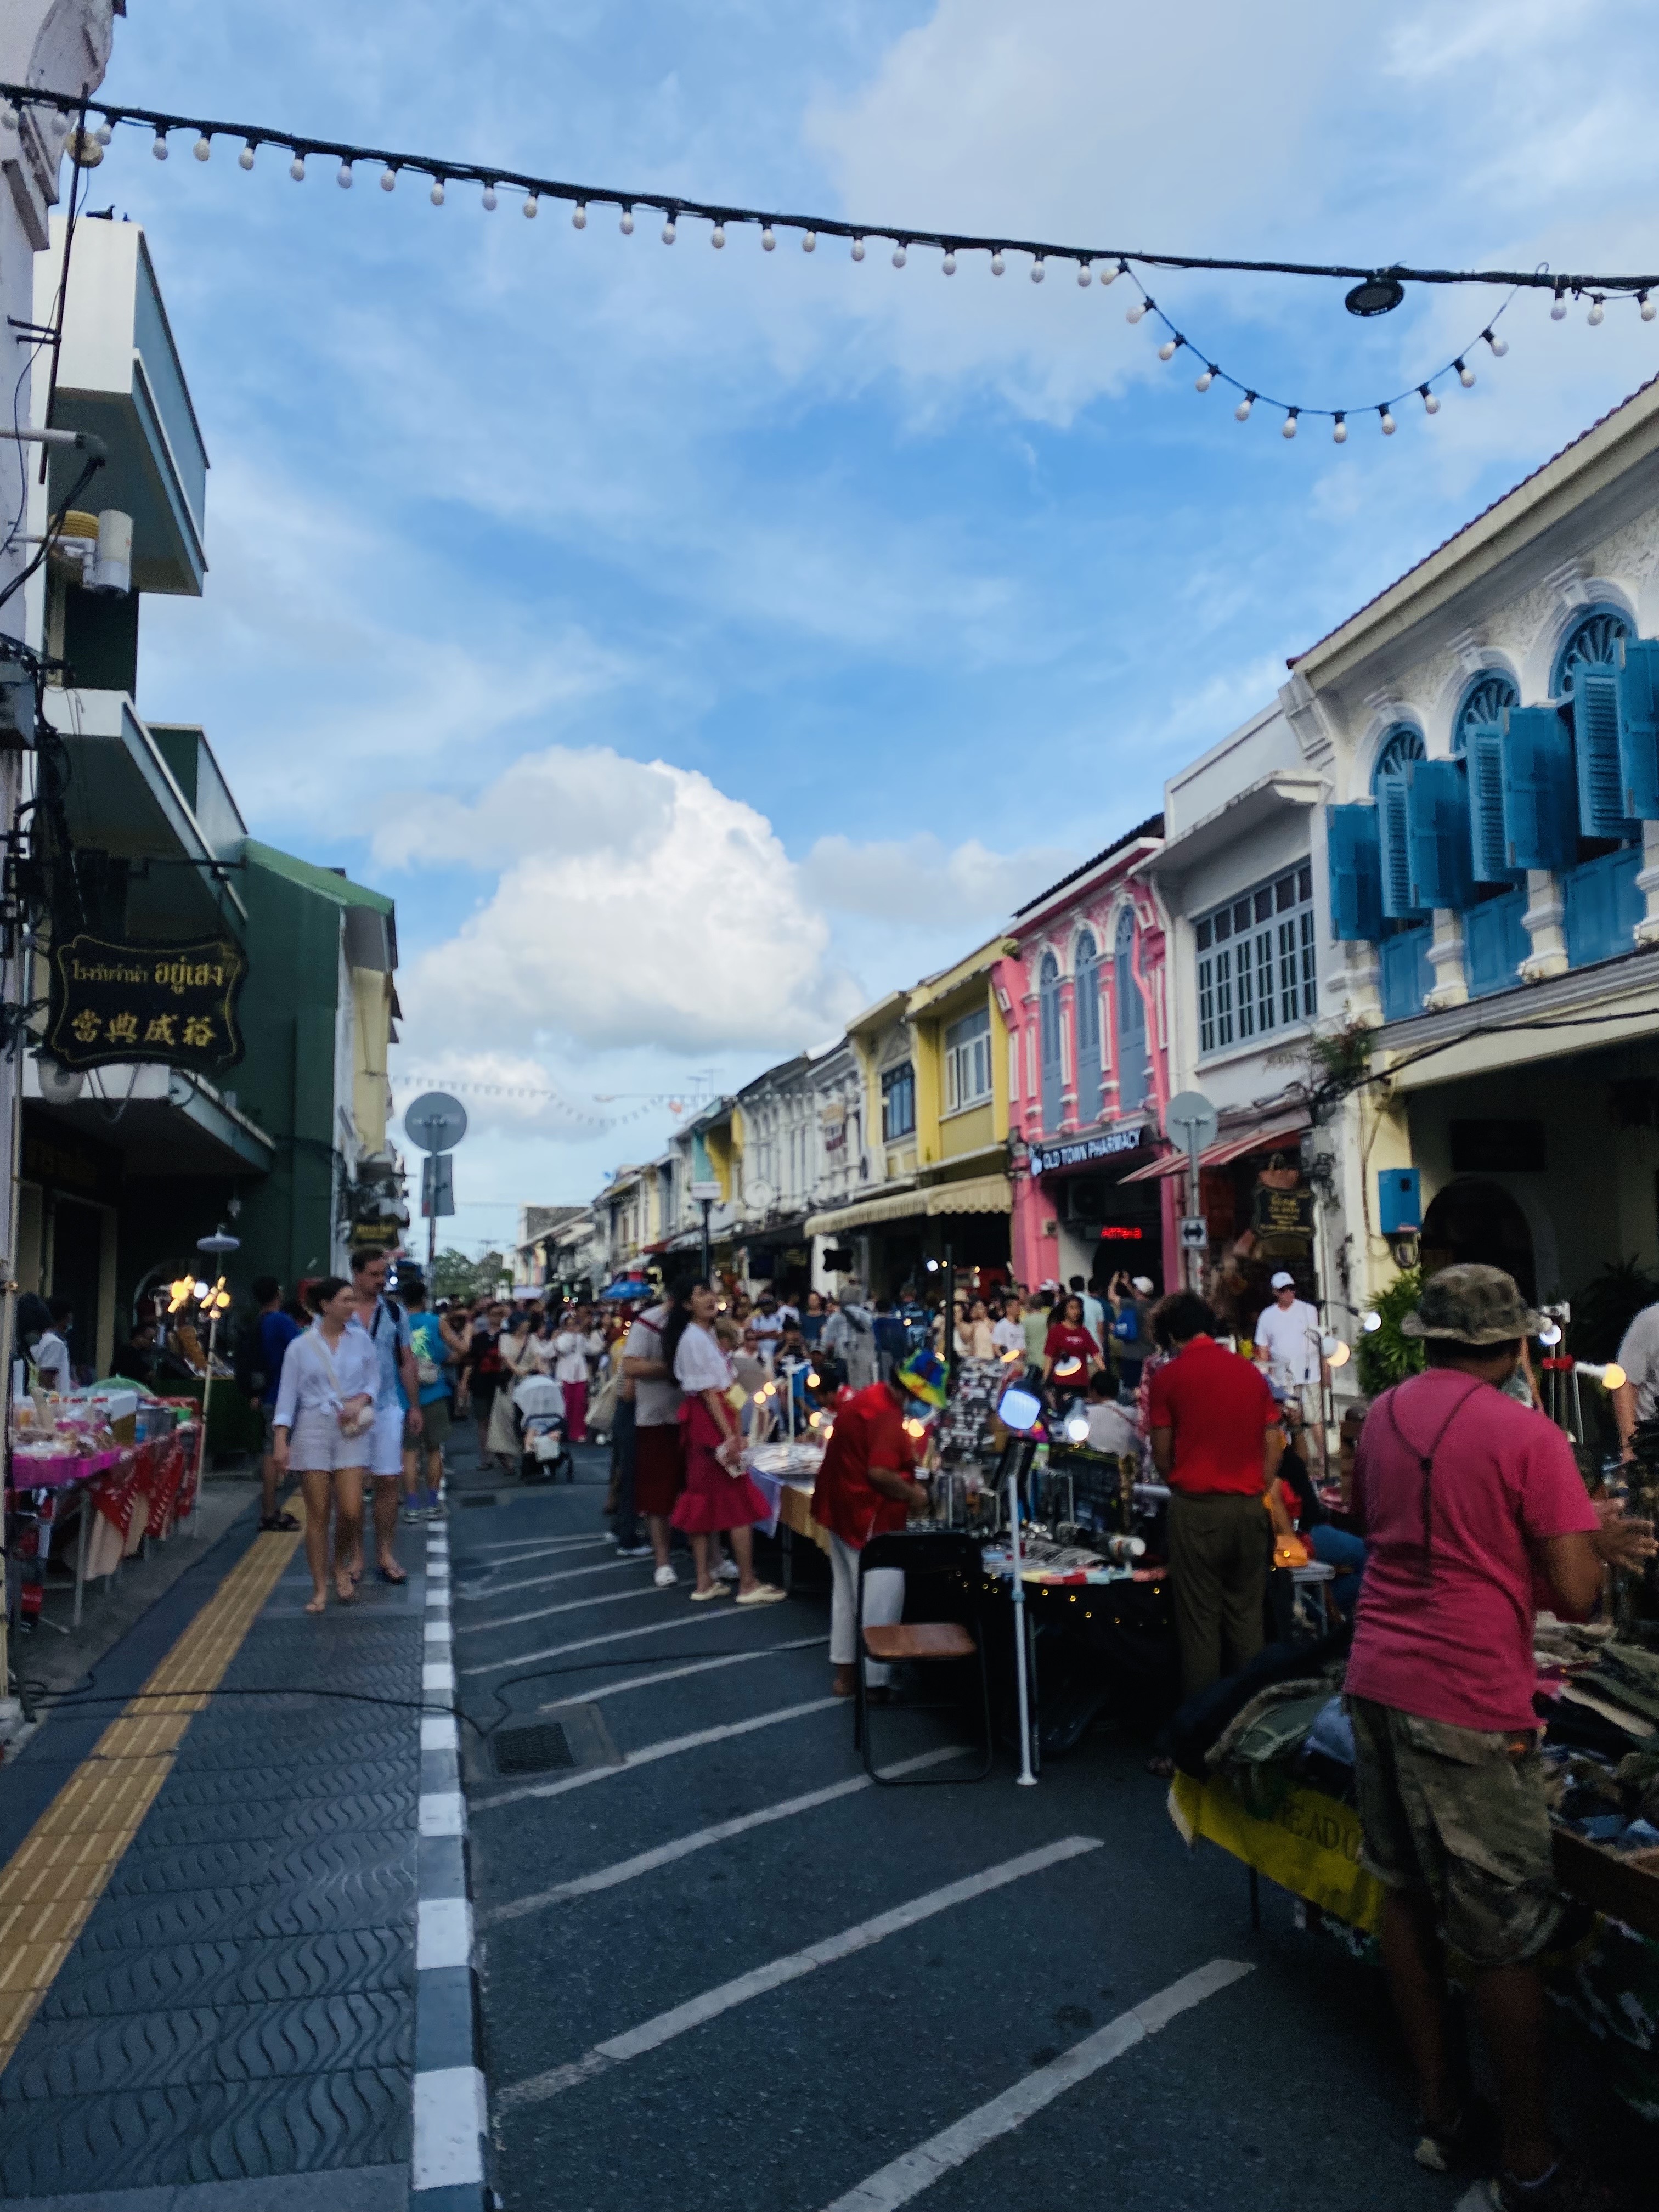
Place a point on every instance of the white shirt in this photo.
(315, 1379)
(1112, 1429)
(700, 1364)
(768, 1327)
(1008, 1335)
(1094, 1315)
(656, 1399)
(52, 1359)
(1287, 1339)
(570, 1349)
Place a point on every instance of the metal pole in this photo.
(207, 1390)
(1193, 1280)
(1026, 1777)
(708, 1205)
(948, 1331)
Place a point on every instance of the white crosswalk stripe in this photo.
(670, 1747)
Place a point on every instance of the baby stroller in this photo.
(539, 1408)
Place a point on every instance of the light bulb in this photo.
(1614, 1376)
(998, 264)
(245, 157)
(579, 215)
(1430, 402)
(1389, 426)
(203, 148)
(1287, 428)
(1339, 430)
(1242, 412)
(489, 200)
(1084, 274)
(201, 1289)
(105, 131)
(436, 195)
(296, 168)
(1557, 309)
(717, 236)
(1076, 1428)
(1037, 270)
(1336, 1353)
(768, 240)
(809, 241)
(1598, 314)
(1203, 383)
(668, 232)
(858, 249)
(948, 264)
(388, 180)
(159, 147)
(343, 176)
(1137, 312)
(1550, 1334)
(1649, 310)
(1465, 375)
(531, 207)
(626, 225)
(1110, 273)
(1370, 1323)
(1499, 346)
(1166, 351)
(899, 257)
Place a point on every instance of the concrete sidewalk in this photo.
(208, 1903)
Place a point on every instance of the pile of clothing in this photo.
(1600, 1700)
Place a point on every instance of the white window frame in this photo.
(967, 1062)
(1260, 980)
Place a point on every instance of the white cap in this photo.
(1143, 1283)
(1281, 1281)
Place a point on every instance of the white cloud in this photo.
(921, 880)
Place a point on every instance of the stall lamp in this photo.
(1019, 1410)
(932, 1267)
(1077, 1427)
(201, 1288)
(1371, 1322)
(812, 1380)
(1550, 1333)
(180, 1293)
(1611, 1377)
(1067, 1367)
(914, 1428)
(1337, 1353)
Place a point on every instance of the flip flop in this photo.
(319, 1604)
(387, 1575)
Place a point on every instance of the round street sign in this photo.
(435, 1122)
(1190, 1120)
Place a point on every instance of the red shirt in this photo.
(1447, 1634)
(1217, 1404)
(869, 1431)
(1066, 1340)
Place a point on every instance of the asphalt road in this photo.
(1073, 2010)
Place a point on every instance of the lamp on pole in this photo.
(707, 1197)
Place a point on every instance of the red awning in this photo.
(1232, 1146)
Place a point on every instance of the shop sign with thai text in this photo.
(1046, 1160)
(172, 1003)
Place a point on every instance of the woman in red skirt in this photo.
(718, 1494)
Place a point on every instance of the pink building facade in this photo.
(1082, 998)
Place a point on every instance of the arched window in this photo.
(1403, 743)
(1086, 999)
(1048, 1040)
(1483, 703)
(1590, 641)
(1400, 745)
(1131, 1040)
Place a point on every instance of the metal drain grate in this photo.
(477, 1497)
(531, 1750)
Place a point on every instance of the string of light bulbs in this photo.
(676, 1101)
(1376, 291)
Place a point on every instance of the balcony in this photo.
(118, 377)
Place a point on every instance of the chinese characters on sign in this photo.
(175, 1003)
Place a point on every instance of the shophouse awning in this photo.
(1234, 1146)
(992, 1194)
(868, 1210)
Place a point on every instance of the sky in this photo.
(698, 645)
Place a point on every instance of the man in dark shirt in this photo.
(273, 1333)
(1216, 1441)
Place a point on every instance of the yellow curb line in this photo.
(62, 1867)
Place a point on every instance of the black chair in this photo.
(928, 1552)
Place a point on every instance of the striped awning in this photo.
(900, 1206)
(992, 1194)
(1232, 1146)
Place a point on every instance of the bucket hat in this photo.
(923, 1375)
(1472, 1305)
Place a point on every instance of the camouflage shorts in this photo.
(1459, 1814)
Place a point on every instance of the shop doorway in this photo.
(78, 1245)
(1474, 1221)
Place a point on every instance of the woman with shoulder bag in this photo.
(718, 1494)
(325, 1412)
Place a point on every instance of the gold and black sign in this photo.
(173, 1003)
(1283, 1221)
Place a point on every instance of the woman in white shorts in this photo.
(323, 1425)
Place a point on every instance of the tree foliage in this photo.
(1384, 1356)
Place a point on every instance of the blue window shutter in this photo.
(1484, 752)
(1437, 828)
(1541, 800)
(1356, 865)
(1597, 744)
(1639, 727)
(1393, 830)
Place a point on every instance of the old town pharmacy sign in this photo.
(175, 1003)
(1046, 1160)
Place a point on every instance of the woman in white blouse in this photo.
(518, 1350)
(718, 1493)
(571, 1348)
(325, 1412)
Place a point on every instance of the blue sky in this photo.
(698, 644)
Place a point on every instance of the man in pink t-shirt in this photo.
(1475, 1512)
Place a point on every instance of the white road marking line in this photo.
(665, 1853)
(696, 1667)
(567, 1605)
(650, 2034)
(443, 1933)
(441, 1813)
(437, 1675)
(651, 1752)
(700, 1619)
(540, 1582)
(525, 1548)
(451, 2120)
(918, 2169)
(439, 1732)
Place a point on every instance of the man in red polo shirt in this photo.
(1216, 1441)
(866, 1488)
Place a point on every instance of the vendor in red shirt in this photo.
(1067, 1340)
(1476, 1514)
(866, 1488)
(1216, 1441)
